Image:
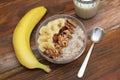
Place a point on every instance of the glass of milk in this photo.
(86, 8)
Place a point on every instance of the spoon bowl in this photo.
(97, 34)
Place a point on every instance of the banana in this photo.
(45, 38)
(46, 45)
(56, 25)
(62, 22)
(53, 26)
(21, 39)
(45, 31)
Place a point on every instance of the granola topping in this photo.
(65, 36)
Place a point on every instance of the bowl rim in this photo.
(50, 19)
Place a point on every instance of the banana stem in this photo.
(44, 67)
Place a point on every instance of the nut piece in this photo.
(52, 53)
(73, 23)
(69, 27)
(62, 40)
(71, 30)
(65, 43)
(59, 48)
(68, 34)
(46, 52)
(62, 29)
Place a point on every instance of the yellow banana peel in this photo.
(21, 39)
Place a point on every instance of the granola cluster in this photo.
(61, 39)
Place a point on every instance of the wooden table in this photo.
(104, 63)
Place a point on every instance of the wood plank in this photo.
(104, 61)
(108, 17)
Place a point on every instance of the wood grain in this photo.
(105, 60)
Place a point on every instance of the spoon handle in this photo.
(83, 67)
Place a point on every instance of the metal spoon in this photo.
(95, 37)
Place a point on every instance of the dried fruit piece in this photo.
(55, 38)
(62, 29)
